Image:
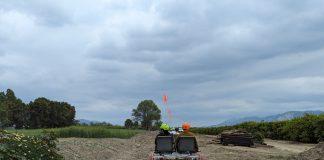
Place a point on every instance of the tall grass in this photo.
(82, 132)
(94, 132)
(27, 132)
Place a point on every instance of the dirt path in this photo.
(142, 144)
(137, 147)
(294, 147)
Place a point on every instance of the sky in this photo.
(216, 60)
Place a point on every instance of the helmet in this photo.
(186, 126)
(165, 126)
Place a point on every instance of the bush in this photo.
(17, 146)
(211, 130)
(128, 123)
(258, 137)
(307, 129)
(304, 129)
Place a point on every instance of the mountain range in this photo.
(278, 117)
(88, 122)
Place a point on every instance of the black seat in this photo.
(187, 144)
(164, 144)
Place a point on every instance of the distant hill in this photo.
(277, 117)
(85, 121)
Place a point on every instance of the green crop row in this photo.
(83, 132)
(308, 129)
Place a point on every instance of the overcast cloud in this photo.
(215, 59)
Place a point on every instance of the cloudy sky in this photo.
(215, 60)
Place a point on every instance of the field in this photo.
(83, 132)
(139, 147)
(104, 142)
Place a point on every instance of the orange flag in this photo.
(168, 110)
(165, 99)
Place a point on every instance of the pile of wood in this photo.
(236, 137)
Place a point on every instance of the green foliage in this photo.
(104, 124)
(128, 123)
(94, 132)
(83, 132)
(157, 125)
(258, 137)
(27, 132)
(308, 129)
(50, 114)
(303, 129)
(14, 109)
(274, 130)
(146, 112)
(20, 147)
(319, 131)
(42, 113)
(3, 111)
(135, 124)
(211, 130)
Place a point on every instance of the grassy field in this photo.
(82, 132)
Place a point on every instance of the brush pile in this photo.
(236, 137)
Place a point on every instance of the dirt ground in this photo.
(142, 144)
(316, 153)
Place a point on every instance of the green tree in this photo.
(301, 129)
(3, 111)
(319, 124)
(135, 124)
(146, 112)
(44, 113)
(128, 123)
(15, 108)
(157, 125)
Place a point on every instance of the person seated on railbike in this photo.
(186, 133)
(164, 131)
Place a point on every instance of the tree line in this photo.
(308, 129)
(40, 113)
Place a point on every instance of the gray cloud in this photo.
(215, 60)
(46, 12)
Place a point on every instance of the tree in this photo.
(3, 111)
(146, 112)
(44, 113)
(128, 123)
(15, 109)
(38, 112)
(135, 124)
(3, 116)
(157, 125)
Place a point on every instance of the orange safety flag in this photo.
(168, 110)
(165, 99)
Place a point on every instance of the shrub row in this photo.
(308, 129)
